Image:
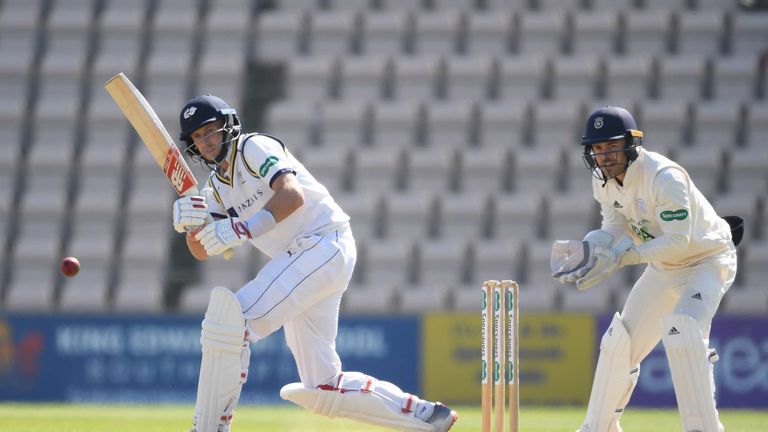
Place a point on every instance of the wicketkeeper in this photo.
(652, 214)
(259, 193)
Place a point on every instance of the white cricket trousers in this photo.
(300, 290)
(694, 291)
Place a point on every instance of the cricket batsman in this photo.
(652, 214)
(258, 193)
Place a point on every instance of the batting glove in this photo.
(222, 235)
(189, 213)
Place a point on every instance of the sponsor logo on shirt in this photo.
(268, 163)
(670, 215)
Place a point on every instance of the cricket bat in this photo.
(155, 137)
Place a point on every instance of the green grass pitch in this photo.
(16, 417)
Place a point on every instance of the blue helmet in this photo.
(608, 124)
(202, 110)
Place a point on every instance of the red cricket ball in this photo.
(70, 266)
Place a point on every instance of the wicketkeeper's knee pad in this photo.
(690, 363)
(356, 396)
(224, 364)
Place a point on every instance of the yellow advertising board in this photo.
(557, 358)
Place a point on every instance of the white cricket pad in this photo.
(224, 366)
(355, 397)
(615, 379)
(690, 363)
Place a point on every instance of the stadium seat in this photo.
(373, 298)
(749, 33)
(755, 266)
(343, 124)
(557, 124)
(438, 32)
(298, 5)
(747, 173)
(676, 5)
(594, 300)
(408, 215)
(397, 123)
(232, 15)
(88, 291)
(376, 169)
(484, 169)
(489, 33)
(756, 124)
(119, 50)
(663, 123)
(497, 6)
(105, 140)
(450, 124)
(140, 288)
(38, 238)
(628, 77)
(464, 216)
(18, 14)
(572, 215)
(542, 32)
(17, 48)
(516, 216)
(715, 125)
(280, 35)
(522, 77)
(595, 32)
(418, 78)
(535, 170)
(311, 78)
(293, 122)
(365, 77)
(327, 165)
(576, 77)
(706, 168)
(701, 32)
(441, 263)
(739, 203)
(504, 123)
(31, 286)
(362, 210)
(470, 78)
(538, 288)
(220, 48)
(681, 77)
(333, 33)
(385, 262)
(498, 259)
(747, 300)
(734, 78)
(417, 299)
(147, 238)
(45, 192)
(648, 32)
(427, 170)
(98, 198)
(466, 297)
(388, 32)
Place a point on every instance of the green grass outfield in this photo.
(168, 418)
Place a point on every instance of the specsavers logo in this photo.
(269, 163)
(670, 215)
